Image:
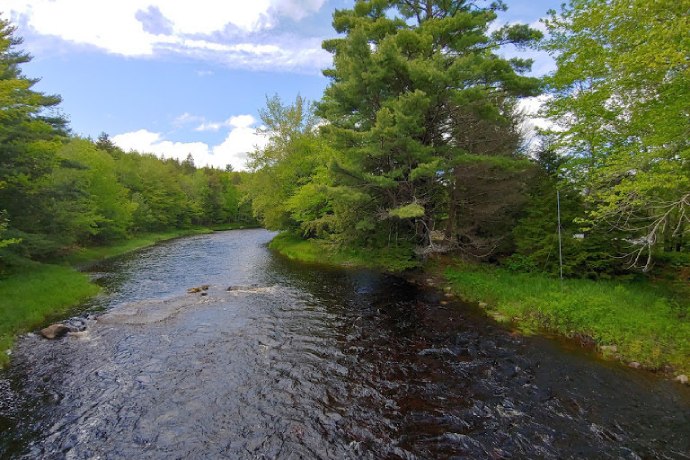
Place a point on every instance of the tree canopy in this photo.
(622, 107)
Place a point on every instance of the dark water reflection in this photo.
(315, 363)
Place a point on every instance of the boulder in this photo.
(55, 331)
(682, 379)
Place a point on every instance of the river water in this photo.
(303, 362)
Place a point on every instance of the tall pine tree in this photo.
(417, 93)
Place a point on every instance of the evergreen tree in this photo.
(30, 134)
(415, 86)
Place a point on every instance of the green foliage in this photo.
(282, 187)
(590, 254)
(321, 252)
(416, 86)
(36, 294)
(408, 211)
(643, 321)
(620, 97)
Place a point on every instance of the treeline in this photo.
(58, 191)
(416, 145)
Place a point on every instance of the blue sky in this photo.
(173, 77)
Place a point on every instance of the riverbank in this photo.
(636, 322)
(639, 323)
(36, 293)
(320, 252)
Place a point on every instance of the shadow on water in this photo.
(304, 362)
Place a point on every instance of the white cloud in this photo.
(232, 33)
(531, 108)
(186, 119)
(241, 140)
(239, 121)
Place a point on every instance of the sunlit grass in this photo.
(34, 295)
(645, 322)
(321, 252)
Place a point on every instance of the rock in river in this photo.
(55, 331)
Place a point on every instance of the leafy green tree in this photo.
(108, 198)
(414, 82)
(286, 164)
(585, 255)
(621, 99)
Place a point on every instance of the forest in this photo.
(420, 148)
(416, 149)
(60, 192)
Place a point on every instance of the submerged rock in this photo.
(55, 331)
(76, 324)
(194, 290)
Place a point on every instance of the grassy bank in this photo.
(630, 321)
(85, 256)
(325, 253)
(35, 293)
(633, 321)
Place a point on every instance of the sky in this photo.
(174, 77)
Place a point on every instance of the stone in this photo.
(76, 324)
(635, 365)
(682, 379)
(194, 290)
(55, 331)
(483, 304)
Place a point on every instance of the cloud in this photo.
(236, 35)
(186, 119)
(241, 140)
(530, 108)
(239, 121)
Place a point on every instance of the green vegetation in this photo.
(84, 256)
(35, 294)
(645, 322)
(320, 252)
(415, 149)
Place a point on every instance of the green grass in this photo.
(645, 322)
(36, 294)
(325, 253)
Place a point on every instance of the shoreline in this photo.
(39, 293)
(597, 315)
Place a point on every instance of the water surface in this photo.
(303, 362)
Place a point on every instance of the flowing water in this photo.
(304, 362)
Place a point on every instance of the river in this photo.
(302, 362)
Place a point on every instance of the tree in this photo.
(621, 99)
(286, 164)
(416, 85)
(30, 133)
